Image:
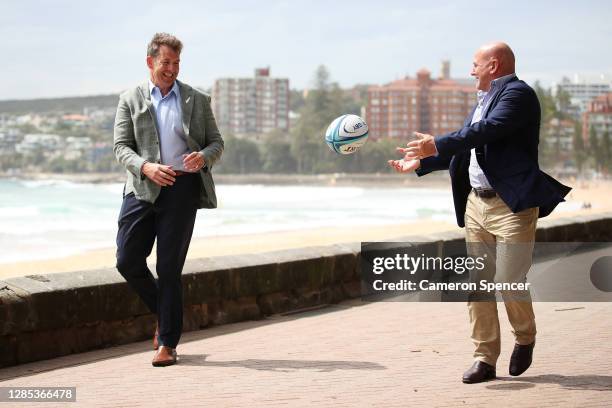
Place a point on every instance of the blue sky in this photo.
(65, 48)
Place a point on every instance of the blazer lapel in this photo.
(186, 105)
(468, 119)
(146, 95)
(490, 104)
(496, 97)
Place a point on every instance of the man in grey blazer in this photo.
(167, 139)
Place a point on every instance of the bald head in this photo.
(502, 53)
(492, 61)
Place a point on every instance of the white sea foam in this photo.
(61, 218)
(13, 212)
(50, 183)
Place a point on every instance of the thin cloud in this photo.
(76, 48)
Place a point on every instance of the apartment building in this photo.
(599, 116)
(251, 106)
(581, 92)
(423, 104)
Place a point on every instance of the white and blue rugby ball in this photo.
(347, 134)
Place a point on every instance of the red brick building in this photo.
(423, 104)
(598, 115)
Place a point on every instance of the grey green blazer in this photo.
(136, 139)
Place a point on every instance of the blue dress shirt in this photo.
(477, 176)
(169, 116)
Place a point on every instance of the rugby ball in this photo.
(346, 134)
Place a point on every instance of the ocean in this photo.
(55, 218)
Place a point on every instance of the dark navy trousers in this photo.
(170, 219)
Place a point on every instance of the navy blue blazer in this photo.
(506, 142)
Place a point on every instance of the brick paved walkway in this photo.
(347, 355)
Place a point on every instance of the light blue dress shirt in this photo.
(169, 115)
(477, 176)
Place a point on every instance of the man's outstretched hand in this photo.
(424, 146)
(405, 166)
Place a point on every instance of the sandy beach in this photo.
(597, 193)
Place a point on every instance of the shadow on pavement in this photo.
(118, 351)
(510, 386)
(280, 365)
(569, 382)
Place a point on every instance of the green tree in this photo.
(276, 153)
(547, 103)
(595, 151)
(106, 163)
(371, 158)
(305, 145)
(240, 156)
(606, 151)
(321, 106)
(61, 165)
(546, 152)
(27, 128)
(11, 161)
(562, 103)
(579, 151)
(296, 100)
(549, 111)
(384, 150)
(362, 91)
(63, 128)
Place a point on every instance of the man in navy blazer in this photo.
(499, 192)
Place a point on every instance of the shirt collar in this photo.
(501, 81)
(495, 84)
(481, 95)
(154, 90)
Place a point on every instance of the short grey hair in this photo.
(160, 39)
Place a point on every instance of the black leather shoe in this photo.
(521, 358)
(479, 372)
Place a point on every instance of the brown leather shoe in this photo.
(165, 356)
(479, 372)
(521, 358)
(155, 341)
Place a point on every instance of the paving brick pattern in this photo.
(354, 354)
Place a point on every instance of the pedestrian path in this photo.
(386, 354)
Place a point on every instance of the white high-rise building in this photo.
(252, 106)
(583, 91)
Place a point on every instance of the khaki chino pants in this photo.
(506, 240)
